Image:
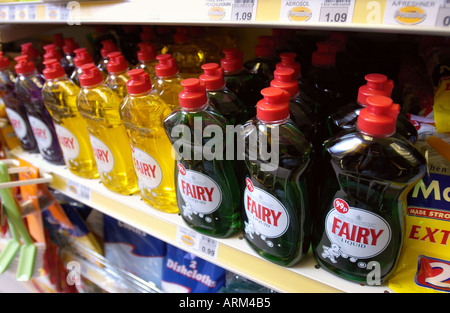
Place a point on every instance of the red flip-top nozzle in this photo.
(212, 76)
(139, 82)
(28, 49)
(81, 57)
(167, 65)
(377, 85)
(4, 61)
(288, 61)
(69, 45)
(53, 69)
(51, 52)
(265, 47)
(193, 95)
(324, 55)
(147, 52)
(117, 62)
(24, 65)
(379, 118)
(233, 60)
(90, 75)
(274, 106)
(108, 46)
(284, 79)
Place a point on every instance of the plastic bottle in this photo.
(15, 109)
(276, 208)
(81, 57)
(147, 59)
(108, 46)
(324, 82)
(265, 59)
(167, 85)
(28, 88)
(100, 108)
(200, 38)
(220, 97)
(143, 114)
(59, 94)
(117, 74)
(300, 113)
(359, 226)
(52, 53)
(208, 193)
(189, 56)
(240, 81)
(347, 116)
(69, 46)
(33, 55)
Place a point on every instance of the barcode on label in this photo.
(244, 1)
(78, 190)
(338, 2)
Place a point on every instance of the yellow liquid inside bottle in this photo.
(99, 106)
(143, 116)
(60, 99)
(189, 58)
(118, 83)
(168, 88)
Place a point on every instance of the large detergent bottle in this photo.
(143, 113)
(208, 193)
(28, 88)
(265, 59)
(167, 84)
(245, 85)
(358, 231)
(59, 94)
(108, 46)
(147, 59)
(300, 113)
(15, 109)
(100, 108)
(347, 116)
(82, 57)
(276, 211)
(117, 74)
(220, 97)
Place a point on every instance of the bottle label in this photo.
(354, 232)
(41, 133)
(148, 171)
(68, 142)
(200, 193)
(17, 123)
(103, 155)
(266, 215)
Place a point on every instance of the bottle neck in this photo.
(196, 109)
(274, 123)
(57, 79)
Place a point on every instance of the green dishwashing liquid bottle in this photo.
(208, 194)
(358, 230)
(276, 213)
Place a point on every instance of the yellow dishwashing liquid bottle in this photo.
(143, 114)
(117, 74)
(167, 84)
(147, 59)
(59, 95)
(100, 107)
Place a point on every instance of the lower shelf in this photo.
(233, 253)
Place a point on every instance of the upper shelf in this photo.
(424, 17)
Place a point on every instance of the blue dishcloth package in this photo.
(184, 272)
(133, 250)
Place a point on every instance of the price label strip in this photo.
(443, 16)
(420, 13)
(57, 12)
(231, 10)
(324, 11)
(78, 191)
(18, 12)
(198, 242)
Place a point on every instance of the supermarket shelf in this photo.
(357, 15)
(233, 253)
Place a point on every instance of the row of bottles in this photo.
(312, 170)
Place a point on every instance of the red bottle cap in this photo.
(212, 76)
(324, 55)
(90, 75)
(53, 69)
(29, 50)
(284, 79)
(81, 57)
(108, 46)
(379, 118)
(194, 94)
(117, 62)
(265, 47)
(377, 85)
(182, 35)
(274, 106)
(69, 45)
(167, 65)
(58, 40)
(147, 33)
(139, 82)
(4, 61)
(147, 52)
(24, 65)
(233, 60)
(51, 52)
(288, 61)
